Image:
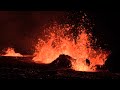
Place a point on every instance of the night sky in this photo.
(20, 29)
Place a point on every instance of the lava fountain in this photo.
(11, 52)
(58, 39)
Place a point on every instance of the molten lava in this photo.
(58, 40)
(11, 52)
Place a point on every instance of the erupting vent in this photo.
(72, 41)
(11, 52)
(59, 39)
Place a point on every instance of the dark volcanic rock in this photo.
(88, 62)
(16, 68)
(63, 61)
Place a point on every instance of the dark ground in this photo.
(23, 68)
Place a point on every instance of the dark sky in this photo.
(19, 28)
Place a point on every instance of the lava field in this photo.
(25, 68)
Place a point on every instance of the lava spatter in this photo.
(58, 39)
(11, 52)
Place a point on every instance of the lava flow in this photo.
(58, 40)
(11, 52)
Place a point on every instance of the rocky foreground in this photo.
(24, 68)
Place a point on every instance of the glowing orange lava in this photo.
(11, 52)
(58, 39)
